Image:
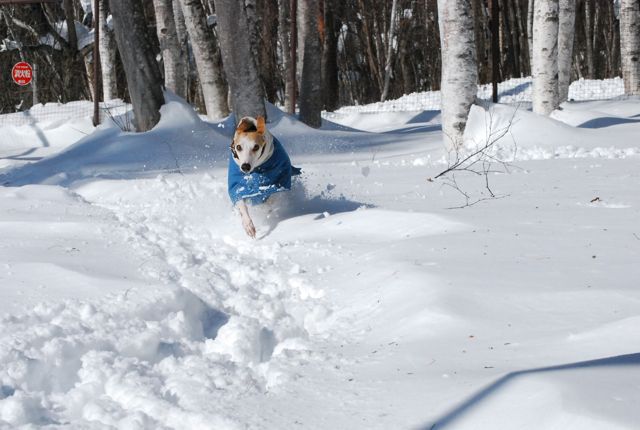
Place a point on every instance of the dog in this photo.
(258, 167)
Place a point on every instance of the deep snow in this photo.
(131, 297)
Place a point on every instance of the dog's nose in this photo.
(246, 167)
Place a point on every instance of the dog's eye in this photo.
(255, 148)
(238, 148)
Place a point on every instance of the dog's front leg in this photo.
(247, 223)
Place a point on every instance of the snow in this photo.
(131, 298)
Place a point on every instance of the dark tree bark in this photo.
(267, 52)
(588, 34)
(141, 69)
(330, 57)
(311, 82)
(247, 92)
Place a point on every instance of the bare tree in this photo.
(143, 75)
(459, 69)
(390, 36)
(545, 56)
(630, 45)
(107, 45)
(566, 29)
(173, 56)
(204, 48)
(247, 92)
(311, 82)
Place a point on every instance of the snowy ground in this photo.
(130, 297)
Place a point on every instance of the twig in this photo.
(479, 162)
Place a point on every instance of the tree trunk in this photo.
(293, 73)
(330, 57)
(545, 57)
(143, 75)
(284, 32)
(74, 61)
(367, 37)
(311, 82)
(183, 49)
(459, 69)
(630, 45)
(387, 67)
(267, 47)
(530, 8)
(107, 45)
(588, 32)
(172, 57)
(247, 92)
(566, 29)
(204, 48)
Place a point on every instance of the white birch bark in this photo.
(302, 35)
(107, 54)
(545, 56)
(459, 69)
(172, 57)
(204, 49)
(387, 66)
(630, 45)
(284, 29)
(566, 30)
(183, 47)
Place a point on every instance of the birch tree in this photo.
(284, 31)
(107, 46)
(311, 82)
(459, 69)
(247, 92)
(143, 74)
(204, 48)
(630, 45)
(387, 66)
(173, 58)
(566, 30)
(545, 56)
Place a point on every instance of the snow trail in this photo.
(223, 316)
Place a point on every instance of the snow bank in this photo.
(522, 135)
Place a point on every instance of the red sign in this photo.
(22, 73)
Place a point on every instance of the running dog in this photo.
(258, 167)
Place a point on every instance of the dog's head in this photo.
(249, 143)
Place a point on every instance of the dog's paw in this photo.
(249, 228)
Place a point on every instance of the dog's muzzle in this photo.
(246, 167)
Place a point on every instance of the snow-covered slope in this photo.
(130, 297)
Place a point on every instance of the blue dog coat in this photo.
(272, 176)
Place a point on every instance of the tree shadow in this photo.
(23, 156)
(515, 90)
(459, 411)
(606, 122)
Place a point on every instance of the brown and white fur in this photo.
(251, 146)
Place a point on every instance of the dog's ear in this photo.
(246, 124)
(261, 124)
(233, 149)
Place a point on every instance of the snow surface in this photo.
(130, 297)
